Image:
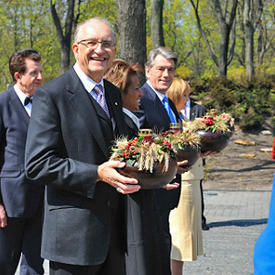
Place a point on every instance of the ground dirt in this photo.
(230, 170)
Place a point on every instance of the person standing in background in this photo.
(185, 219)
(159, 112)
(143, 234)
(21, 201)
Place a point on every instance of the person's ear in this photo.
(17, 76)
(147, 71)
(75, 48)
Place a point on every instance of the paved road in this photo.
(236, 219)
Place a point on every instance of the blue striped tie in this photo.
(168, 109)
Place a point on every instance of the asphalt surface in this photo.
(236, 218)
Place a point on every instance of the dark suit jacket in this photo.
(156, 118)
(20, 197)
(69, 136)
(196, 110)
(132, 129)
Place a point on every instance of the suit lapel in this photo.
(115, 108)
(158, 106)
(17, 106)
(89, 112)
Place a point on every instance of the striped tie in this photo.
(168, 109)
(101, 99)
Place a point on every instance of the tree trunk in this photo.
(226, 26)
(131, 23)
(156, 23)
(64, 37)
(223, 58)
(248, 38)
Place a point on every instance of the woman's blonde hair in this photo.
(178, 89)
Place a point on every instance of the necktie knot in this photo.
(165, 99)
(27, 100)
(98, 89)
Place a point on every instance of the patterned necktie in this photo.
(101, 99)
(168, 109)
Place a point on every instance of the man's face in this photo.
(31, 79)
(94, 60)
(161, 73)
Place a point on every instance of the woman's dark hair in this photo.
(120, 72)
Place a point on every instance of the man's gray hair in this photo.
(92, 21)
(165, 52)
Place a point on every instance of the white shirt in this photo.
(87, 82)
(160, 96)
(22, 98)
(187, 109)
(132, 116)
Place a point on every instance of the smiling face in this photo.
(133, 93)
(94, 61)
(161, 73)
(31, 79)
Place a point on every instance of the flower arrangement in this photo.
(144, 151)
(212, 122)
(182, 139)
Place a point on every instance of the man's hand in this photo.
(182, 168)
(3, 217)
(171, 186)
(107, 172)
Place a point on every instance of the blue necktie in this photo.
(168, 109)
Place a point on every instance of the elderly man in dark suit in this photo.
(21, 201)
(159, 112)
(76, 118)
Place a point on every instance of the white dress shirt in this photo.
(87, 82)
(22, 98)
(160, 96)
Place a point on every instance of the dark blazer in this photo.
(143, 223)
(69, 136)
(196, 110)
(156, 118)
(20, 197)
(132, 129)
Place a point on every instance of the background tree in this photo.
(226, 27)
(131, 24)
(252, 12)
(157, 23)
(65, 33)
(266, 31)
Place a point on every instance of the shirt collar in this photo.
(160, 95)
(87, 82)
(132, 116)
(20, 94)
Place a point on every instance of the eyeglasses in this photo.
(93, 44)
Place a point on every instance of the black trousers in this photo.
(144, 236)
(114, 263)
(21, 235)
(203, 219)
(165, 242)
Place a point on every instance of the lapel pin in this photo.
(116, 103)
